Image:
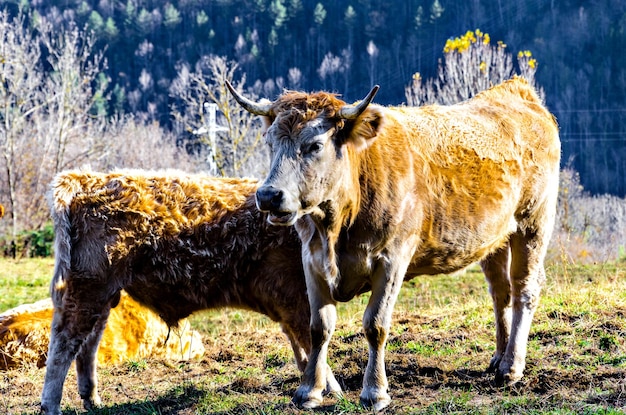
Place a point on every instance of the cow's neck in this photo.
(320, 230)
(318, 252)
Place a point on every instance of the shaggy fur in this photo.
(396, 192)
(177, 244)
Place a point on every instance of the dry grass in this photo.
(442, 341)
(589, 229)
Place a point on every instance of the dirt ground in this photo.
(251, 372)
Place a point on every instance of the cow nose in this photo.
(269, 198)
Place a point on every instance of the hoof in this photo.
(92, 403)
(376, 401)
(494, 364)
(307, 398)
(506, 379)
(308, 404)
(332, 386)
(49, 411)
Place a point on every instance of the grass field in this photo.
(441, 342)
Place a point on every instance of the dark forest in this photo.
(348, 46)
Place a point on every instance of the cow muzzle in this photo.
(272, 200)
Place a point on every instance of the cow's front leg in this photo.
(301, 346)
(315, 377)
(386, 285)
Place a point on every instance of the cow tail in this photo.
(60, 197)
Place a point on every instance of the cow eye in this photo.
(315, 147)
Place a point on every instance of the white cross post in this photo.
(211, 128)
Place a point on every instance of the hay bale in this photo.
(133, 332)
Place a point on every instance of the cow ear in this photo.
(362, 132)
(267, 119)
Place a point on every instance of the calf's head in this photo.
(308, 136)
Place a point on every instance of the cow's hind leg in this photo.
(528, 250)
(496, 269)
(72, 323)
(86, 360)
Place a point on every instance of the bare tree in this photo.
(470, 64)
(372, 53)
(47, 122)
(330, 69)
(235, 152)
(20, 99)
(589, 228)
(295, 78)
(132, 143)
(73, 130)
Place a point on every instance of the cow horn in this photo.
(350, 112)
(257, 108)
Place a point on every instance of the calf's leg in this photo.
(86, 360)
(73, 322)
(299, 351)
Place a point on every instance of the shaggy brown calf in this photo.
(177, 244)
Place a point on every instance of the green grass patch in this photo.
(24, 281)
(137, 365)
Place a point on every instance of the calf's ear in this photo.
(361, 132)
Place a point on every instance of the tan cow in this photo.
(379, 193)
(176, 243)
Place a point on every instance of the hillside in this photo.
(348, 46)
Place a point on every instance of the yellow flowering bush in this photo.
(470, 64)
(464, 42)
(525, 57)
